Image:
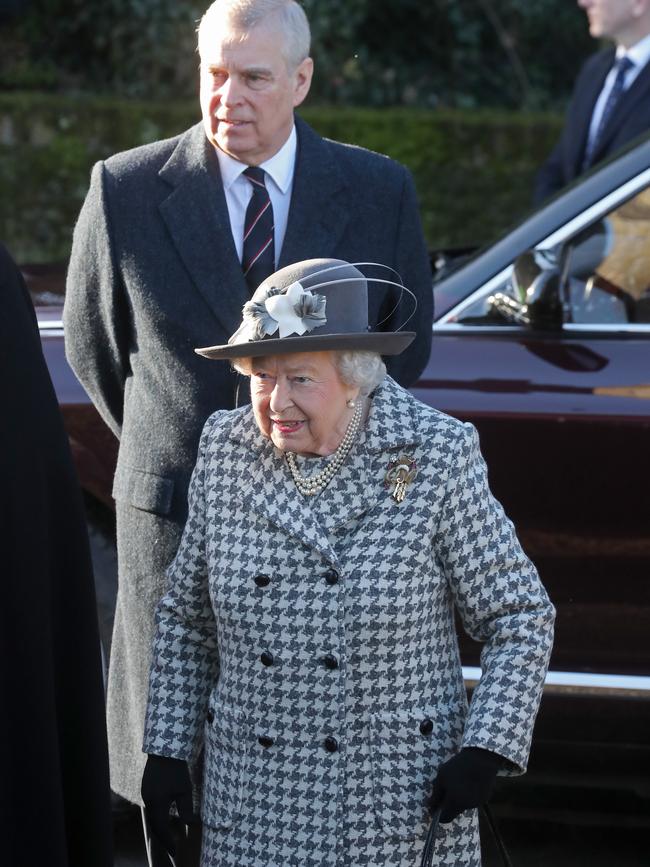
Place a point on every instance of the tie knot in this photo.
(623, 66)
(255, 175)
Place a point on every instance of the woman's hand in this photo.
(464, 782)
(166, 781)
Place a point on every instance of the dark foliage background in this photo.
(456, 53)
(453, 53)
(467, 93)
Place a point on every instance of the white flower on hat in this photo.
(295, 310)
(291, 310)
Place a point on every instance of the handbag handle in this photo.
(430, 842)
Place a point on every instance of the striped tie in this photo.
(258, 260)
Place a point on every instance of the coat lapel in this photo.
(196, 209)
(584, 109)
(197, 218)
(269, 491)
(358, 488)
(630, 99)
(317, 215)
(389, 433)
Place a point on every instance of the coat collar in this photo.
(392, 420)
(630, 99)
(319, 211)
(391, 426)
(196, 215)
(584, 107)
(269, 491)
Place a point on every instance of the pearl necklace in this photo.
(311, 485)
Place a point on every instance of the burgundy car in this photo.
(543, 342)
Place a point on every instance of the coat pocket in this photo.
(406, 750)
(143, 490)
(224, 766)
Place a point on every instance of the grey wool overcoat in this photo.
(309, 648)
(153, 274)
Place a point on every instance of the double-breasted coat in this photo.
(308, 647)
(153, 274)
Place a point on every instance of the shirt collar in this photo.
(639, 53)
(279, 167)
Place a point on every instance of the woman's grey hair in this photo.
(242, 15)
(361, 369)
(358, 368)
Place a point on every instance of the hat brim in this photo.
(384, 343)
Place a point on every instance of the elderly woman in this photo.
(306, 644)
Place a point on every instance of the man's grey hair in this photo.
(242, 15)
(358, 368)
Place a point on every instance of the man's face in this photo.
(613, 19)
(247, 92)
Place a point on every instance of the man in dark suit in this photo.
(157, 268)
(611, 99)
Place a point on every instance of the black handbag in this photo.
(430, 842)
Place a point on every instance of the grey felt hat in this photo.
(318, 304)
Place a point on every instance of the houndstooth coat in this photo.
(309, 649)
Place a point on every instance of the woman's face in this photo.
(299, 401)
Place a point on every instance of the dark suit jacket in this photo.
(630, 118)
(153, 274)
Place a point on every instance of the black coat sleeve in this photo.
(54, 792)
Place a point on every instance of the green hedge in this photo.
(473, 170)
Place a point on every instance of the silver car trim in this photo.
(581, 682)
(626, 328)
(578, 327)
(572, 227)
(491, 284)
(50, 324)
(606, 204)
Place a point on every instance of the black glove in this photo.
(166, 781)
(464, 781)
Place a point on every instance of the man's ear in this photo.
(640, 8)
(302, 80)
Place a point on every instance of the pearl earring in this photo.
(350, 403)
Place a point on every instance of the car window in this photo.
(604, 275)
(607, 267)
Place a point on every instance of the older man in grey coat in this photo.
(156, 269)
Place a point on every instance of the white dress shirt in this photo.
(279, 182)
(639, 54)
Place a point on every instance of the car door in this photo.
(563, 412)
